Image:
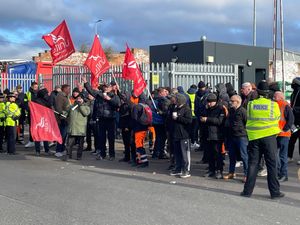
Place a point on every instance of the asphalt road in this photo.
(45, 190)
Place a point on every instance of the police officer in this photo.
(262, 128)
(12, 113)
(2, 120)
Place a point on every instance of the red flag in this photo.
(43, 126)
(60, 42)
(131, 71)
(96, 61)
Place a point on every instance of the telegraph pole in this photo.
(282, 46)
(274, 41)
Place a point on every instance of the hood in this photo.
(180, 99)
(221, 88)
(192, 91)
(180, 89)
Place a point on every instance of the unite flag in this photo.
(131, 71)
(43, 126)
(60, 42)
(96, 61)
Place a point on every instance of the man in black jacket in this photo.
(105, 110)
(214, 120)
(181, 120)
(237, 136)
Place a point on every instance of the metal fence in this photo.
(156, 75)
(10, 81)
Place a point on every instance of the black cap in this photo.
(113, 83)
(76, 90)
(263, 87)
(211, 97)
(201, 84)
(11, 94)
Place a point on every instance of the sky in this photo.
(141, 23)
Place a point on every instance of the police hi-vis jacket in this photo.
(263, 116)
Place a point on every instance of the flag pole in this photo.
(152, 100)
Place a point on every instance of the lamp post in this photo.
(96, 25)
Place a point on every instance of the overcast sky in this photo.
(141, 23)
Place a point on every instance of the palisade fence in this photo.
(10, 81)
(156, 75)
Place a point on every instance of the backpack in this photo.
(145, 115)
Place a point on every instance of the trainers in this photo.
(99, 157)
(290, 160)
(185, 174)
(279, 195)
(244, 194)
(29, 144)
(174, 173)
(238, 164)
(219, 175)
(58, 154)
(298, 163)
(262, 173)
(112, 158)
(37, 154)
(229, 176)
(209, 174)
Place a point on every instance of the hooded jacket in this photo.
(222, 95)
(181, 91)
(200, 103)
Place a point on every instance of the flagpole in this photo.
(151, 98)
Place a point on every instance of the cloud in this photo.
(141, 23)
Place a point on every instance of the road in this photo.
(46, 191)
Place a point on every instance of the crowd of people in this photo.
(258, 127)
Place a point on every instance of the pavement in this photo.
(45, 190)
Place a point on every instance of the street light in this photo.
(96, 23)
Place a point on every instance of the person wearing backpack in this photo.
(142, 119)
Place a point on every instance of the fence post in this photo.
(172, 75)
(236, 77)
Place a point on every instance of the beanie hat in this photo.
(211, 97)
(201, 84)
(76, 90)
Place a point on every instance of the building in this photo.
(253, 62)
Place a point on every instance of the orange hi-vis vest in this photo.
(282, 104)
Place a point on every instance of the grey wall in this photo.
(191, 52)
(239, 54)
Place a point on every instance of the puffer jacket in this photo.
(103, 109)
(78, 119)
(215, 123)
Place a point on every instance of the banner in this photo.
(60, 42)
(43, 126)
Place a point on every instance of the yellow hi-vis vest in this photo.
(2, 114)
(192, 98)
(263, 116)
(12, 112)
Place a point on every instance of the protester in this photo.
(44, 100)
(237, 136)
(90, 125)
(12, 113)
(295, 104)
(247, 94)
(179, 131)
(262, 128)
(21, 103)
(105, 107)
(222, 96)
(54, 94)
(62, 107)
(78, 118)
(214, 120)
(285, 124)
(30, 95)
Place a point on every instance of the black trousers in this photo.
(106, 129)
(89, 132)
(2, 135)
(71, 142)
(292, 143)
(129, 145)
(194, 130)
(215, 157)
(160, 142)
(11, 133)
(182, 155)
(268, 147)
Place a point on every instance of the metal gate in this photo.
(156, 75)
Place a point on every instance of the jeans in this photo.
(63, 128)
(282, 158)
(160, 142)
(238, 145)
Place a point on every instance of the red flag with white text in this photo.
(60, 42)
(131, 71)
(96, 61)
(43, 126)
